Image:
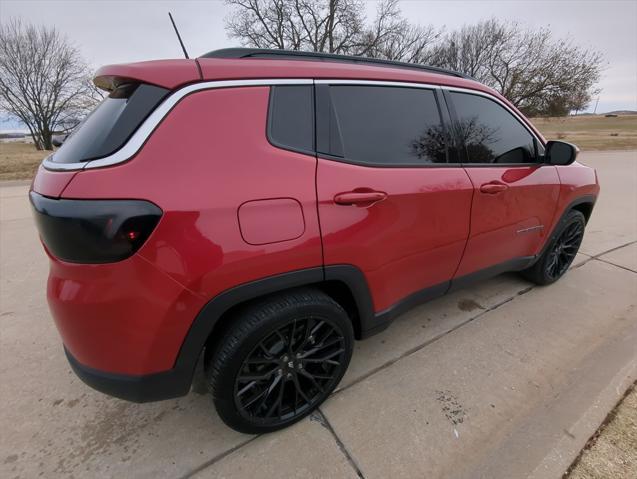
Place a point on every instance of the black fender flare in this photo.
(205, 322)
(588, 199)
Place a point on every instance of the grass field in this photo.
(612, 452)
(20, 160)
(592, 132)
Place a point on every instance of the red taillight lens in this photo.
(94, 231)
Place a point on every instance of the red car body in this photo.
(242, 218)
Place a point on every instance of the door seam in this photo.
(466, 243)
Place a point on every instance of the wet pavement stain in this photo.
(468, 305)
(112, 429)
(451, 407)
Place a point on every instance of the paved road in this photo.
(500, 380)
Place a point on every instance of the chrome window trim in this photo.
(427, 86)
(135, 142)
(438, 87)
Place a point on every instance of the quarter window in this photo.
(390, 126)
(490, 133)
(291, 122)
(111, 124)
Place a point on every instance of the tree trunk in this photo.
(36, 141)
(47, 140)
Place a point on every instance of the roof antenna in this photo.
(178, 36)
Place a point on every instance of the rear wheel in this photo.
(560, 253)
(279, 360)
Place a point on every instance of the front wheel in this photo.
(560, 252)
(280, 358)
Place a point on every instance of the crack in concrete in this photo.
(612, 249)
(217, 458)
(350, 459)
(615, 264)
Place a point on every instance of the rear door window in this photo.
(386, 126)
(111, 124)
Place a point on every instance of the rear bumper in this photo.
(145, 388)
(127, 318)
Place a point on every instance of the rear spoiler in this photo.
(168, 74)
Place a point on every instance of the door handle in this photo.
(493, 188)
(361, 198)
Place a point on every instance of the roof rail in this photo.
(316, 56)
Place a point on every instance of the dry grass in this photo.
(613, 452)
(19, 161)
(592, 132)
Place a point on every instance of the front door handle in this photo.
(359, 198)
(493, 188)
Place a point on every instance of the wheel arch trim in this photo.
(580, 200)
(204, 323)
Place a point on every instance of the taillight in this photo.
(93, 231)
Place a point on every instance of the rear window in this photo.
(111, 124)
(388, 126)
(291, 117)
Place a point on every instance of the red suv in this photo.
(259, 210)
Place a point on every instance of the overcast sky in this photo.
(125, 31)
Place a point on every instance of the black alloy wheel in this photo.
(290, 370)
(560, 252)
(279, 359)
(564, 250)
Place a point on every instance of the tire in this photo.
(561, 251)
(261, 380)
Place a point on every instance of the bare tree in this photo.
(43, 80)
(539, 74)
(470, 49)
(331, 26)
(392, 37)
(536, 73)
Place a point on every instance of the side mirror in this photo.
(560, 153)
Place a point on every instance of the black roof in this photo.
(329, 57)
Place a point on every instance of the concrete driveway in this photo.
(500, 380)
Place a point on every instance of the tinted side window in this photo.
(388, 125)
(291, 118)
(490, 133)
(111, 124)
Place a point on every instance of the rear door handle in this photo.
(493, 188)
(360, 198)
